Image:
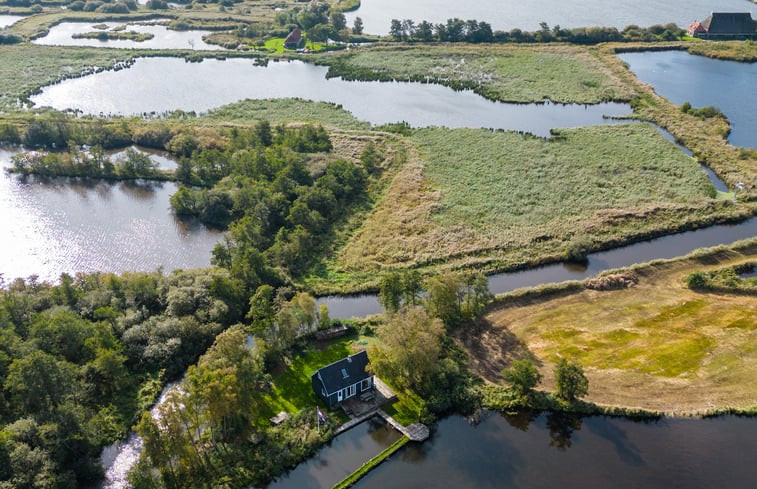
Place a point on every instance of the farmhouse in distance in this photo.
(724, 25)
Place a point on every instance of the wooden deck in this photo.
(416, 431)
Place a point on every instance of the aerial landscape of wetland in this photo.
(371, 243)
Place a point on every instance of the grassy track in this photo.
(565, 74)
(658, 345)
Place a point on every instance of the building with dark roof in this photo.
(343, 379)
(294, 40)
(727, 25)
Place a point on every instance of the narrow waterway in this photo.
(659, 248)
(166, 84)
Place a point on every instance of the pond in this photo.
(682, 77)
(60, 35)
(166, 84)
(664, 247)
(7, 20)
(508, 14)
(56, 225)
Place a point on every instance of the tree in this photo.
(570, 381)
(523, 376)
(408, 347)
(390, 292)
(357, 26)
(339, 21)
(396, 30)
(445, 297)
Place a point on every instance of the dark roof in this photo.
(294, 37)
(729, 23)
(344, 372)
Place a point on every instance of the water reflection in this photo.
(53, 225)
(588, 452)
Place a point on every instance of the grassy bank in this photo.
(560, 73)
(657, 346)
(351, 479)
(499, 200)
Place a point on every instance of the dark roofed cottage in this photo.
(294, 39)
(343, 379)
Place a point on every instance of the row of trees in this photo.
(91, 163)
(458, 30)
(570, 381)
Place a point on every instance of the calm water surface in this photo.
(508, 14)
(340, 458)
(165, 84)
(55, 225)
(681, 77)
(60, 35)
(551, 451)
(6, 20)
(161, 158)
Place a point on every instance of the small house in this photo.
(727, 25)
(294, 40)
(695, 29)
(343, 379)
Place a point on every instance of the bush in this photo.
(114, 8)
(76, 6)
(93, 5)
(696, 280)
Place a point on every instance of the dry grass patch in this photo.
(657, 345)
(474, 198)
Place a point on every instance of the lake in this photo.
(558, 450)
(56, 225)
(60, 35)
(166, 84)
(508, 14)
(681, 77)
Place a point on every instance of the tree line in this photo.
(473, 31)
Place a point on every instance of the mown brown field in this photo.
(657, 345)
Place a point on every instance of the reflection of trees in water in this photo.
(140, 189)
(380, 432)
(561, 427)
(521, 420)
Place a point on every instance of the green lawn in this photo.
(292, 390)
(276, 45)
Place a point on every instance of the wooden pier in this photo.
(416, 431)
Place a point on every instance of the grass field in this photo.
(565, 74)
(497, 200)
(656, 346)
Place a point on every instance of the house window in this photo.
(345, 374)
(365, 385)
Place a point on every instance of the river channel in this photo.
(166, 84)
(508, 14)
(682, 77)
(164, 38)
